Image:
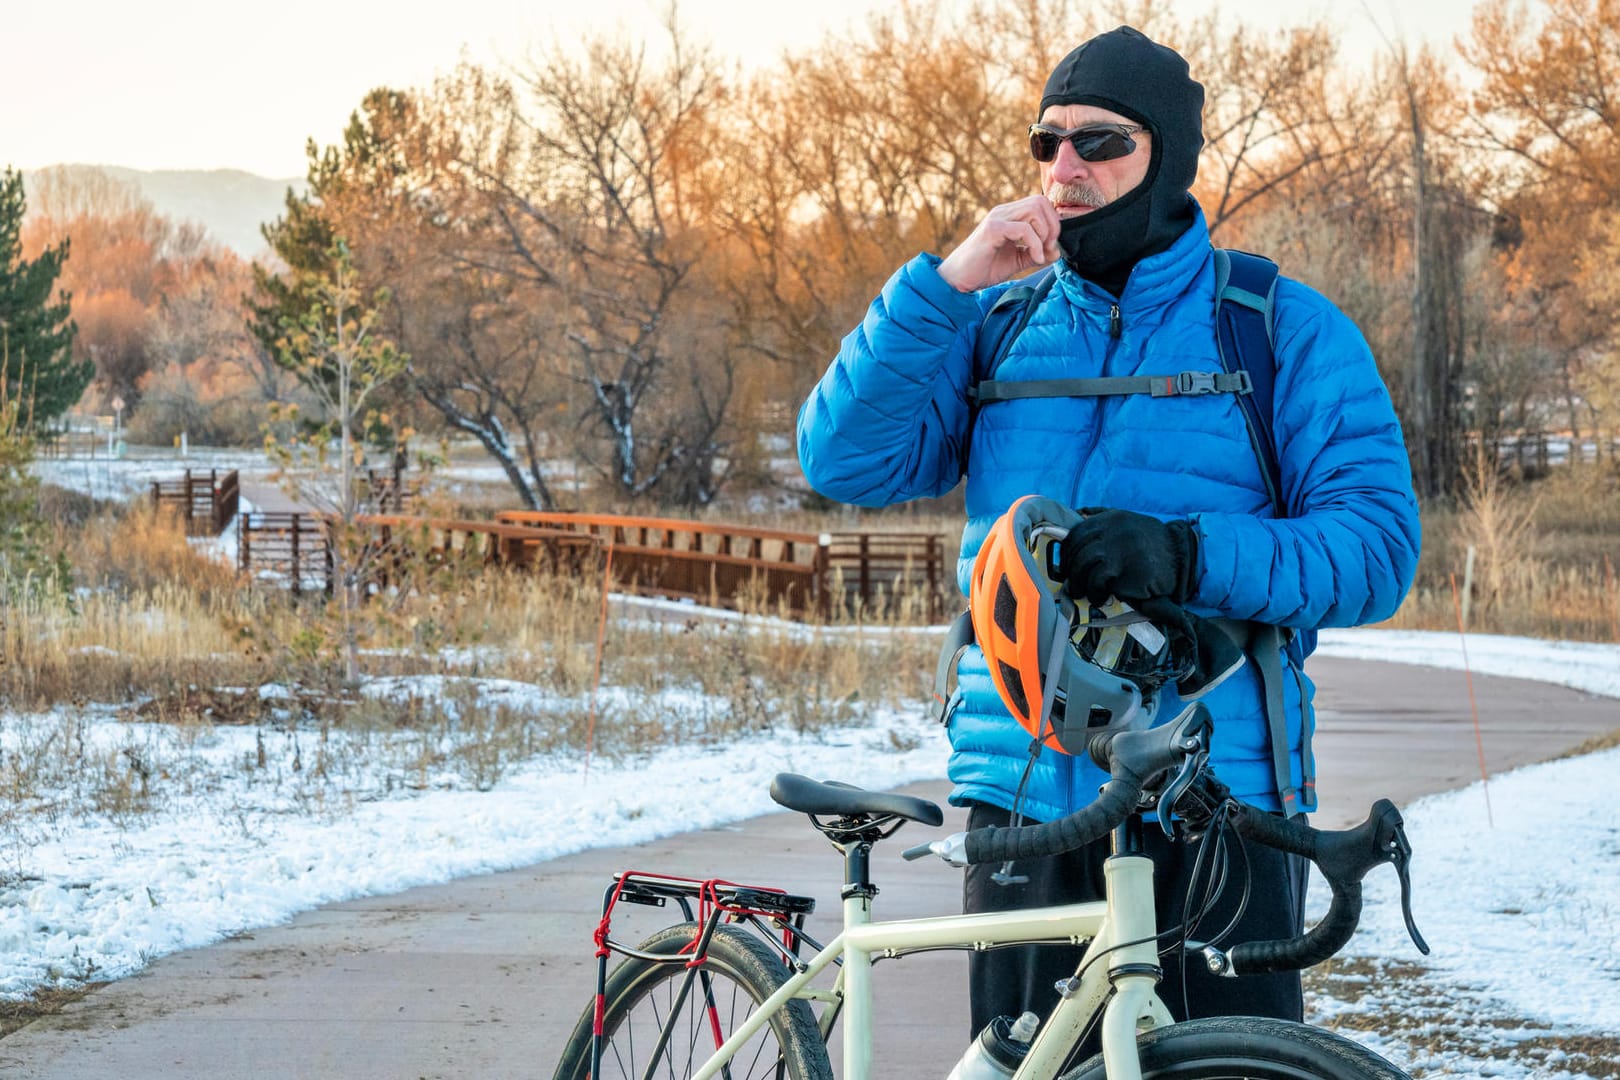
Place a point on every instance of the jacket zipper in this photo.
(1116, 329)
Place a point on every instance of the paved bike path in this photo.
(485, 976)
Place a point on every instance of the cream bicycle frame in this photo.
(1122, 927)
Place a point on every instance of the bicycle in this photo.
(728, 991)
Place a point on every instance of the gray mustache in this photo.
(1082, 194)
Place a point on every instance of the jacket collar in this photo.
(1155, 282)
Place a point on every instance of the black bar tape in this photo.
(1321, 942)
(1344, 856)
(1275, 831)
(1116, 800)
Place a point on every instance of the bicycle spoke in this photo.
(712, 1011)
(686, 1014)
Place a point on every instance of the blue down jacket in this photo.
(888, 421)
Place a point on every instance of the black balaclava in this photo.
(1126, 72)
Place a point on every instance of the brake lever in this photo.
(1171, 793)
(1400, 853)
(1197, 807)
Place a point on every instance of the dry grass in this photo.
(162, 635)
(1606, 741)
(1545, 558)
(16, 1014)
(1433, 1023)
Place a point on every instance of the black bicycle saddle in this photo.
(833, 798)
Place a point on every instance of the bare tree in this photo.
(1548, 107)
(493, 375)
(599, 209)
(339, 355)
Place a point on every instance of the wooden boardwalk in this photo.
(718, 563)
(808, 574)
(206, 501)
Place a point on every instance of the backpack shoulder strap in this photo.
(1245, 330)
(1006, 320)
(1245, 296)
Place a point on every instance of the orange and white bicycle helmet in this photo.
(1063, 669)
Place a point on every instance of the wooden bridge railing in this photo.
(290, 546)
(388, 491)
(485, 543)
(702, 561)
(878, 565)
(208, 501)
(716, 562)
(812, 574)
(73, 443)
(297, 546)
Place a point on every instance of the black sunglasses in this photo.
(1093, 142)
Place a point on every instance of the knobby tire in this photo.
(742, 972)
(1248, 1048)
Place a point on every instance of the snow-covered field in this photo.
(1524, 921)
(124, 478)
(1524, 916)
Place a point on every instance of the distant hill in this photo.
(229, 203)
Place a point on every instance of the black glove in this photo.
(1130, 556)
(1203, 653)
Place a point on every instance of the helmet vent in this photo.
(1014, 688)
(1006, 610)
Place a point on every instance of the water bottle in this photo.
(999, 1049)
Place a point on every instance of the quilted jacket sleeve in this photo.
(1347, 552)
(887, 421)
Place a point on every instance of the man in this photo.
(1190, 521)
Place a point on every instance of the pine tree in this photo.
(304, 237)
(29, 569)
(36, 331)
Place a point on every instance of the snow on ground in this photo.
(1523, 913)
(124, 478)
(1579, 665)
(130, 476)
(1523, 916)
(101, 898)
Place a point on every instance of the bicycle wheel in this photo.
(739, 973)
(1248, 1048)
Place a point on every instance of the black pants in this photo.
(1008, 981)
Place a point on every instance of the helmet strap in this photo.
(1054, 668)
(1005, 876)
(1054, 664)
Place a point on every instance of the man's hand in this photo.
(1013, 237)
(1130, 556)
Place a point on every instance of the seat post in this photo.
(857, 968)
(858, 871)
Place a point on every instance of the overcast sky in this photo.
(202, 84)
